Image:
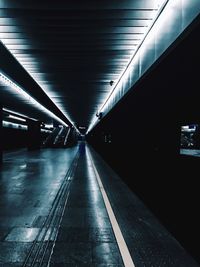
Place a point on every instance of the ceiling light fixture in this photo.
(111, 83)
(15, 55)
(18, 114)
(8, 82)
(16, 118)
(159, 7)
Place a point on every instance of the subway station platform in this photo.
(66, 207)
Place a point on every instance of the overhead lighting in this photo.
(18, 114)
(48, 126)
(8, 124)
(16, 118)
(8, 82)
(32, 63)
(159, 6)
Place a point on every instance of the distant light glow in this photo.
(48, 126)
(188, 128)
(8, 82)
(16, 118)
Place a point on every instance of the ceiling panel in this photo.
(74, 49)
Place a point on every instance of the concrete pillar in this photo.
(34, 135)
(55, 123)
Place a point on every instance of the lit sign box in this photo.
(190, 140)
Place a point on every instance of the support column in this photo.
(55, 124)
(1, 135)
(34, 135)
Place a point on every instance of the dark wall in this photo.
(140, 138)
(16, 138)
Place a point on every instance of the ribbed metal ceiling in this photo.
(73, 49)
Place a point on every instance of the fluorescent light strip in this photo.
(16, 118)
(32, 59)
(18, 114)
(8, 82)
(48, 126)
(161, 4)
(45, 131)
(126, 257)
(8, 124)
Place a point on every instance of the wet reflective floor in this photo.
(52, 213)
(85, 237)
(29, 182)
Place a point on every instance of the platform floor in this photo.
(53, 213)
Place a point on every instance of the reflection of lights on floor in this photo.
(23, 166)
(128, 262)
(22, 234)
(95, 195)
